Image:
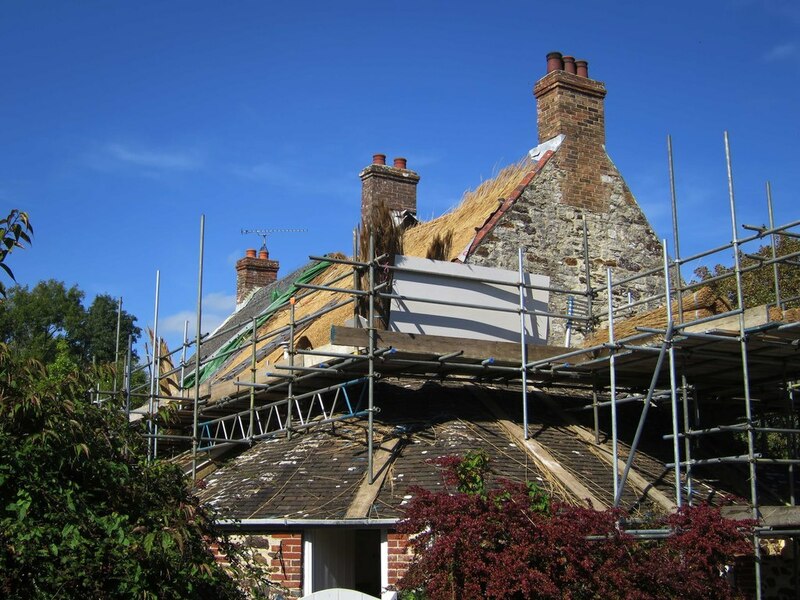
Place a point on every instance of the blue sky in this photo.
(123, 122)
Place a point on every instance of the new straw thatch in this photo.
(696, 305)
(307, 302)
(476, 206)
(445, 236)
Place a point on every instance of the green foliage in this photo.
(14, 229)
(468, 474)
(471, 473)
(81, 512)
(32, 321)
(758, 284)
(101, 329)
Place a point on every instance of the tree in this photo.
(758, 283)
(81, 512)
(14, 229)
(101, 329)
(512, 542)
(33, 320)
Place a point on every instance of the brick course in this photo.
(399, 557)
(253, 273)
(397, 188)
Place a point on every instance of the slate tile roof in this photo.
(311, 476)
(316, 474)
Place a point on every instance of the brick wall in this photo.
(396, 187)
(286, 560)
(399, 557)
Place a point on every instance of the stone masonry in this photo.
(580, 182)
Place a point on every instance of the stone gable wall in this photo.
(550, 231)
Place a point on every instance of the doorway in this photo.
(344, 558)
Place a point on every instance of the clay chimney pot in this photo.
(250, 253)
(569, 64)
(554, 62)
(400, 163)
(378, 159)
(582, 68)
(263, 255)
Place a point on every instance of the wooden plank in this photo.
(753, 317)
(367, 493)
(769, 516)
(440, 345)
(543, 459)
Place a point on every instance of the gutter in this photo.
(304, 523)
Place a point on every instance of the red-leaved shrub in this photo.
(512, 542)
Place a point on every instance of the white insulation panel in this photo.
(437, 281)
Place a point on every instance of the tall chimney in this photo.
(253, 272)
(395, 185)
(569, 103)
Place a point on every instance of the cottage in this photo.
(330, 393)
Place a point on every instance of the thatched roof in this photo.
(475, 209)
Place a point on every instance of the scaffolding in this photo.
(722, 374)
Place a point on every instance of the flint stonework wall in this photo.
(549, 228)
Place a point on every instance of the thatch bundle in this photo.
(388, 239)
(789, 315)
(440, 247)
(696, 305)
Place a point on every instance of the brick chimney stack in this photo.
(568, 102)
(253, 272)
(395, 185)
